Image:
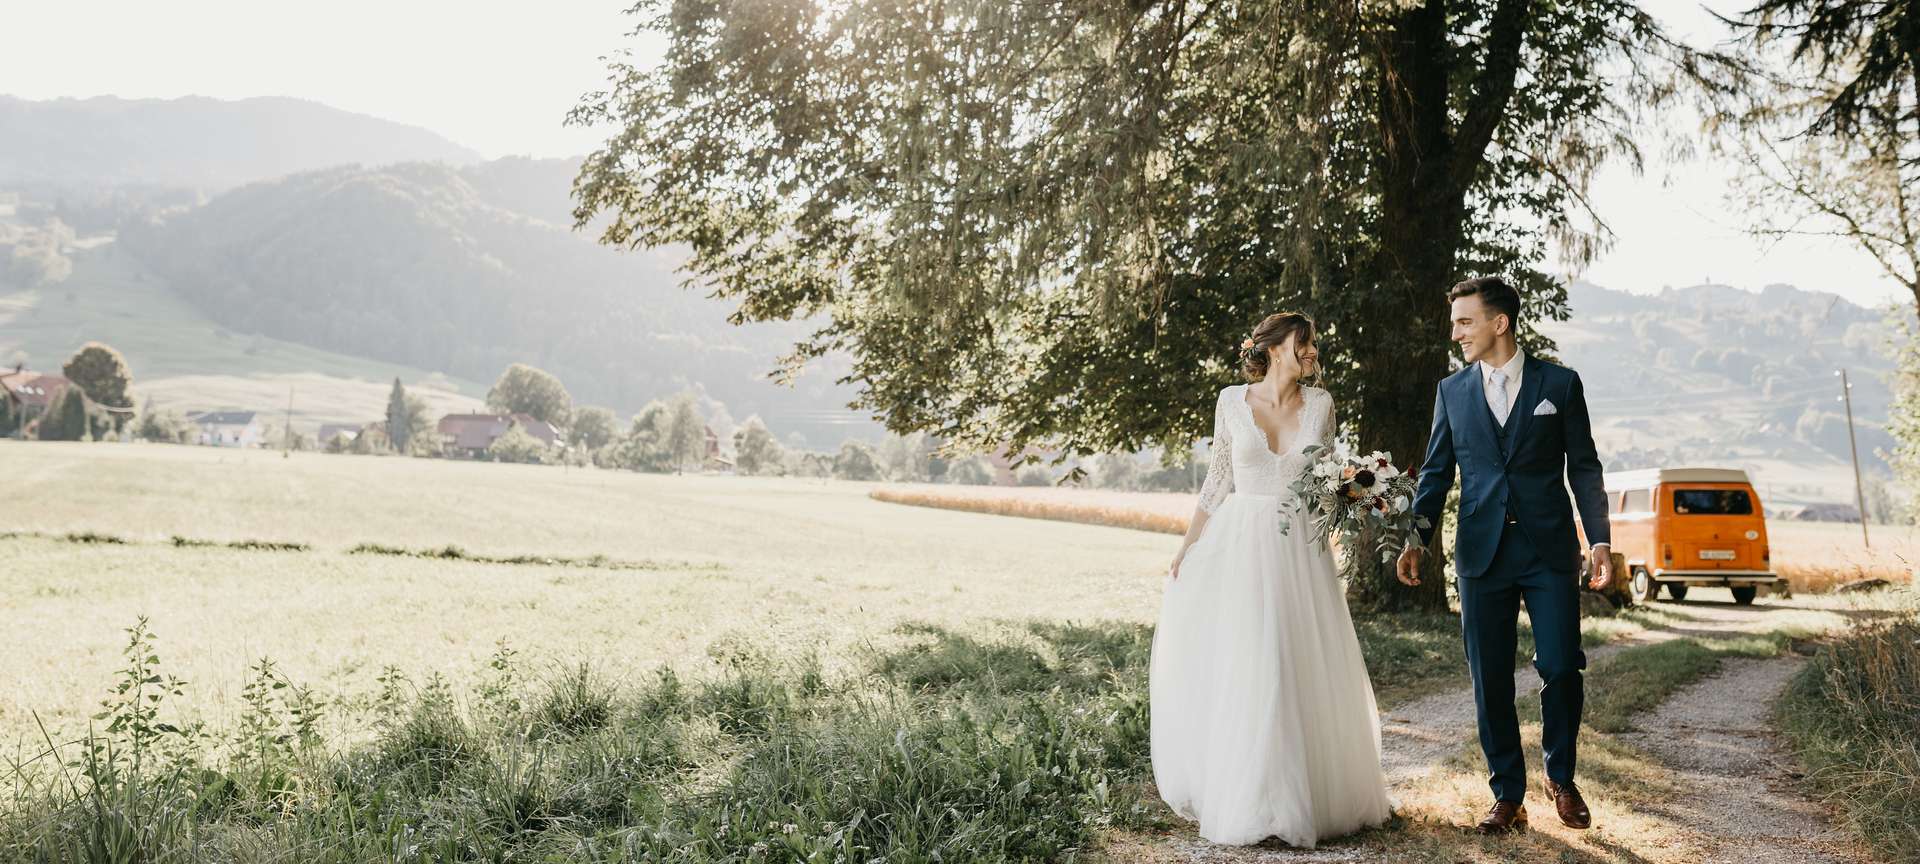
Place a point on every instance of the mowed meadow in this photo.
(681, 571)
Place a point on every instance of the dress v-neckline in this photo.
(1266, 440)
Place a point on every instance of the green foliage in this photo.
(686, 433)
(935, 753)
(400, 425)
(973, 470)
(517, 446)
(1004, 223)
(163, 426)
(101, 373)
(1826, 124)
(1904, 419)
(856, 461)
(755, 450)
(593, 427)
(36, 257)
(1032, 475)
(1863, 49)
(906, 458)
(644, 448)
(69, 418)
(523, 389)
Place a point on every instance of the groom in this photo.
(1515, 426)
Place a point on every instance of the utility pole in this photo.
(1859, 497)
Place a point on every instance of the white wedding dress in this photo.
(1263, 721)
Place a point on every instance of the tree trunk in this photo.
(1427, 166)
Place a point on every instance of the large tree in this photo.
(1827, 129)
(522, 389)
(1826, 125)
(101, 373)
(593, 428)
(1051, 222)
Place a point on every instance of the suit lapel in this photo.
(1522, 415)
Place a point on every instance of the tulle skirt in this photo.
(1263, 721)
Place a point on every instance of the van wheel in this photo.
(1643, 587)
(1744, 594)
(1677, 590)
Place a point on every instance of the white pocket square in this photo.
(1544, 408)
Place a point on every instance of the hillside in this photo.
(1711, 374)
(463, 271)
(195, 142)
(182, 361)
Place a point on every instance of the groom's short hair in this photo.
(1494, 292)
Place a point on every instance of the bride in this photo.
(1263, 720)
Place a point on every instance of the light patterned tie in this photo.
(1500, 406)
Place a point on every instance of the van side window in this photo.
(1613, 502)
(1636, 501)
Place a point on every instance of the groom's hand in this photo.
(1408, 567)
(1600, 564)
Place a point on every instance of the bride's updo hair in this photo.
(1273, 330)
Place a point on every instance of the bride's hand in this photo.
(1173, 570)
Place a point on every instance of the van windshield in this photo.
(1713, 502)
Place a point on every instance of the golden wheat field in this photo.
(696, 566)
(1813, 556)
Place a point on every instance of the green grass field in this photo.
(781, 566)
(848, 677)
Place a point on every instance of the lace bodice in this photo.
(1239, 459)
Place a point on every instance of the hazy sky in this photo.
(499, 77)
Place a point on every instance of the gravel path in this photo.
(1414, 739)
(1742, 808)
(1740, 805)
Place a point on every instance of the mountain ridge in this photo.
(198, 142)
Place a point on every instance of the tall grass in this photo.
(951, 749)
(1853, 717)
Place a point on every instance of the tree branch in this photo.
(1492, 89)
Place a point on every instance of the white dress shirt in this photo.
(1512, 370)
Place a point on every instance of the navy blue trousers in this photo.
(1489, 620)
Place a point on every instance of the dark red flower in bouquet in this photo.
(1380, 464)
(1380, 503)
(1363, 479)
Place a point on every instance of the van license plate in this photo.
(1716, 554)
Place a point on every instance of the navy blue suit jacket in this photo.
(1526, 478)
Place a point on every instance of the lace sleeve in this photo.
(1219, 480)
(1327, 425)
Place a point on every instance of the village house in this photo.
(469, 435)
(330, 431)
(28, 395)
(714, 459)
(226, 428)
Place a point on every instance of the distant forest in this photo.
(464, 270)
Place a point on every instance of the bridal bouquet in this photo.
(1359, 499)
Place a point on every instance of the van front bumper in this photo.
(1718, 577)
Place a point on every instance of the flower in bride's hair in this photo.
(1246, 344)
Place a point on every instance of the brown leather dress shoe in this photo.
(1506, 817)
(1568, 803)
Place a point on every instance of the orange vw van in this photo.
(1682, 527)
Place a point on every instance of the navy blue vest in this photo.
(1502, 434)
